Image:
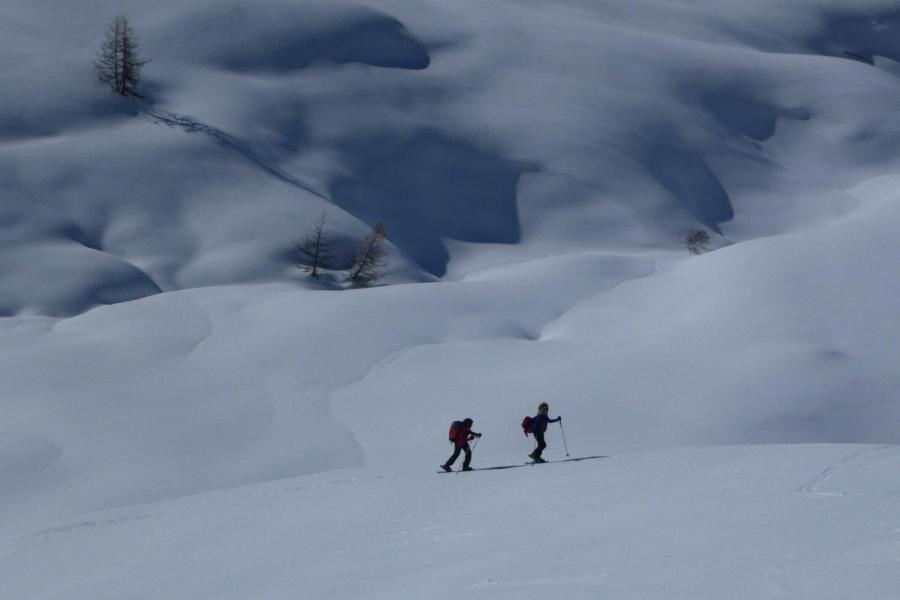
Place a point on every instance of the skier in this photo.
(460, 434)
(538, 428)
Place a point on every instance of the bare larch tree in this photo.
(313, 251)
(697, 241)
(117, 61)
(371, 257)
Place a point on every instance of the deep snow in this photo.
(178, 399)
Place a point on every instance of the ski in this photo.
(562, 460)
(485, 468)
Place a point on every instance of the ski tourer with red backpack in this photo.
(460, 435)
(537, 425)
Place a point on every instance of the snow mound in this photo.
(64, 278)
(278, 37)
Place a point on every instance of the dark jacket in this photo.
(464, 433)
(540, 421)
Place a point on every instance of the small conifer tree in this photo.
(117, 61)
(313, 250)
(697, 241)
(370, 258)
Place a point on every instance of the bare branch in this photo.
(313, 251)
(371, 257)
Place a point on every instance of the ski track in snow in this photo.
(811, 488)
(774, 582)
(192, 125)
(235, 496)
(202, 503)
(179, 505)
(80, 526)
(240, 494)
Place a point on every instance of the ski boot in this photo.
(447, 468)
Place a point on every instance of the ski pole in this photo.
(564, 437)
(476, 443)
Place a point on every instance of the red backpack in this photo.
(526, 425)
(456, 428)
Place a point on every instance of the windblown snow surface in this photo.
(187, 415)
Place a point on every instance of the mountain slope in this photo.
(538, 166)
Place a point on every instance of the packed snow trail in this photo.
(192, 125)
(812, 487)
(528, 464)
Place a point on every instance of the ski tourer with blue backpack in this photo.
(537, 426)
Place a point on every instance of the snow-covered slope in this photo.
(541, 127)
(733, 522)
(538, 165)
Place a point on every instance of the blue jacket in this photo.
(540, 421)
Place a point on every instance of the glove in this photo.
(478, 435)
